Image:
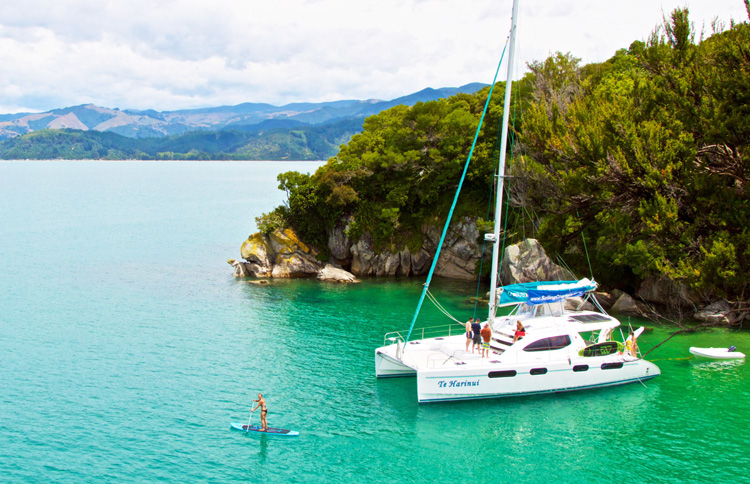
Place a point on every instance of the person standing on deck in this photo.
(486, 337)
(476, 341)
(468, 334)
(263, 411)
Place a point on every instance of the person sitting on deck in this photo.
(631, 345)
(520, 332)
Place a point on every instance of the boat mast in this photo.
(501, 168)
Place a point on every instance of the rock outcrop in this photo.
(458, 258)
(282, 254)
(335, 274)
(577, 303)
(720, 312)
(527, 261)
(664, 291)
(461, 250)
(624, 304)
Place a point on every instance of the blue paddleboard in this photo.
(269, 430)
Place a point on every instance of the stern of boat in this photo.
(388, 363)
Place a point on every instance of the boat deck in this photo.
(441, 352)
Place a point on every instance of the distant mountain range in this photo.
(242, 117)
(250, 131)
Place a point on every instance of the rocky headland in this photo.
(281, 254)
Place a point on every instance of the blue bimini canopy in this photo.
(544, 292)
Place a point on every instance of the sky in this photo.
(184, 54)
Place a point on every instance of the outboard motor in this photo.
(732, 348)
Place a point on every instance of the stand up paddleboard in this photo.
(269, 430)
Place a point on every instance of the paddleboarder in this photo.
(263, 411)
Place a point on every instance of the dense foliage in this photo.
(644, 155)
(401, 171)
(641, 157)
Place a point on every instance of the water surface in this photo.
(127, 348)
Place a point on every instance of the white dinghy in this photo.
(717, 353)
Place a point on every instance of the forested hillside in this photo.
(639, 162)
(266, 141)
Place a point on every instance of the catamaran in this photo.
(561, 349)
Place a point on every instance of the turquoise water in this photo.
(127, 348)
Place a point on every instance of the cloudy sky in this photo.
(177, 54)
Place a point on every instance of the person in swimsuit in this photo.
(631, 345)
(263, 411)
(468, 334)
(520, 332)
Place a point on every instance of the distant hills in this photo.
(251, 131)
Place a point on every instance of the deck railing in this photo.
(421, 333)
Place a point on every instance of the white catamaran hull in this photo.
(500, 381)
(388, 366)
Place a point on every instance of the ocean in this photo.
(127, 348)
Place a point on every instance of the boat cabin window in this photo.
(525, 310)
(546, 344)
(548, 309)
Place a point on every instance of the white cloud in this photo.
(176, 54)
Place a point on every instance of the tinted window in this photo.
(553, 343)
(581, 368)
(501, 374)
(611, 366)
(538, 371)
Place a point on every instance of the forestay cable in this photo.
(455, 200)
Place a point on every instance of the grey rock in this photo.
(719, 312)
(662, 290)
(527, 261)
(404, 268)
(257, 250)
(248, 269)
(363, 256)
(338, 243)
(626, 305)
(296, 265)
(420, 262)
(605, 299)
(336, 274)
(576, 303)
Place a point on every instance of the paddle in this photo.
(248, 422)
